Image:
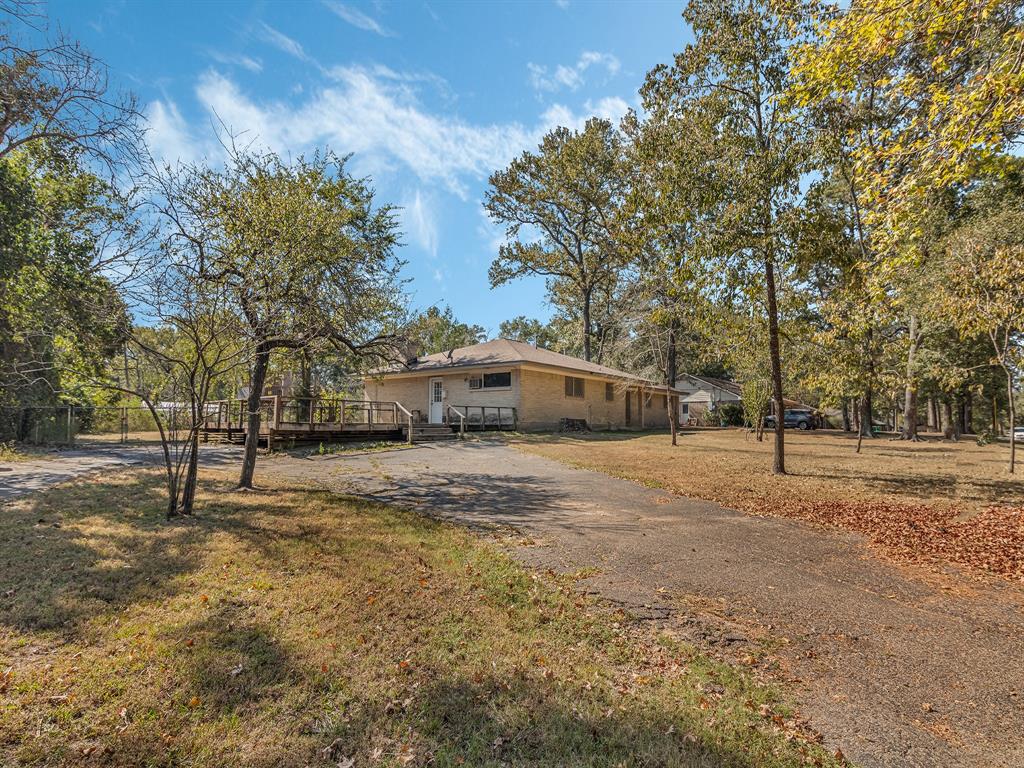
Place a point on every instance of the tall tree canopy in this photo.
(949, 78)
(558, 206)
(60, 314)
(438, 330)
(728, 87)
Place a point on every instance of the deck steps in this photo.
(428, 433)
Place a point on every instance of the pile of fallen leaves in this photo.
(991, 540)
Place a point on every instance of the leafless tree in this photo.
(56, 90)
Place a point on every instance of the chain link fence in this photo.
(83, 425)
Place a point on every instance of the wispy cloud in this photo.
(419, 221)
(284, 43)
(612, 108)
(169, 136)
(357, 18)
(375, 115)
(571, 77)
(237, 59)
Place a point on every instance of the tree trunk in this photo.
(951, 428)
(586, 326)
(995, 414)
(866, 414)
(1013, 418)
(779, 458)
(846, 415)
(671, 403)
(910, 391)
(966, 412)
(257, 381)
(188, 491)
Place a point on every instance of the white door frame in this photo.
(431, 402)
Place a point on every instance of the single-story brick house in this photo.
(510, 384)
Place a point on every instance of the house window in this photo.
(686, 409)
(497, 380)
(609, 392)
(500, 380)
(573, 386)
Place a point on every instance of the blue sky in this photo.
(431, 97)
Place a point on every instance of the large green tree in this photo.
(60, 313)
(729, 87)
(300, 249)
(438, 330)
(949, 79)
(558, 206)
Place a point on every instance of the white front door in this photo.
(436, 401)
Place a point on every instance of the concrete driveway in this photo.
(894, 668)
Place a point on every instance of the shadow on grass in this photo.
(226, 688)
(74, 553)
(929, 487)
(489, 721)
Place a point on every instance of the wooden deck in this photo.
(288, 419)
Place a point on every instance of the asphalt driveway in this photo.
(893, 667)
(38, 473)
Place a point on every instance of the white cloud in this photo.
(563, 4)
(284, 43)
(419, 221)
(493, 235)
(240, 60)
(610, 108)
(169, 136)
(376, 116)
(365, 114)
(571, 77)
(357, 18)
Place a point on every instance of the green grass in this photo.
(295, 627)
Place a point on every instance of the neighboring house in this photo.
(509, 384)
(702, 394)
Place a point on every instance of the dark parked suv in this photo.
(793, 418)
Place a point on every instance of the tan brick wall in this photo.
(414, 392)
(538, 396)
(544, 404)
(655, 412)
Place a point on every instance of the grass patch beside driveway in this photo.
(295, 627)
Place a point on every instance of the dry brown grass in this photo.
(298, 628)
(931, 501)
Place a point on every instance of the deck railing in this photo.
(489, 416)
(453, 411)
(306, 414)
